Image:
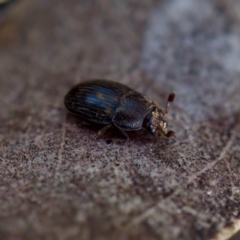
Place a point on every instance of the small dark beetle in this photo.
(111, 103)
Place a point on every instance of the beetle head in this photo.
(155, 119)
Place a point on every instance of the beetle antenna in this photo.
(171, 98)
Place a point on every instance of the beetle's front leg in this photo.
(127, 135)
(102, 131)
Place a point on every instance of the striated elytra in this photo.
(110, 103)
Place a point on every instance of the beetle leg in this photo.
(102, 131)
(127, 135)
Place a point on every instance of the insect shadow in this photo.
(114, 135)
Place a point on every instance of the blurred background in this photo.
(56, 182)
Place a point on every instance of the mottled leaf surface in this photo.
(57, 182)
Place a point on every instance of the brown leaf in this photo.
(56, 182)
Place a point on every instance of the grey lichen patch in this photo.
(57, 182)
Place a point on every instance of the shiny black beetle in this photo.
(111, 103)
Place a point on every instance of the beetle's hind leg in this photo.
(102, 131)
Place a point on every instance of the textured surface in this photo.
(56, 182)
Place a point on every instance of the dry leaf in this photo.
(56, 182)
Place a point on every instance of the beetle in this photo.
(110, 103)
